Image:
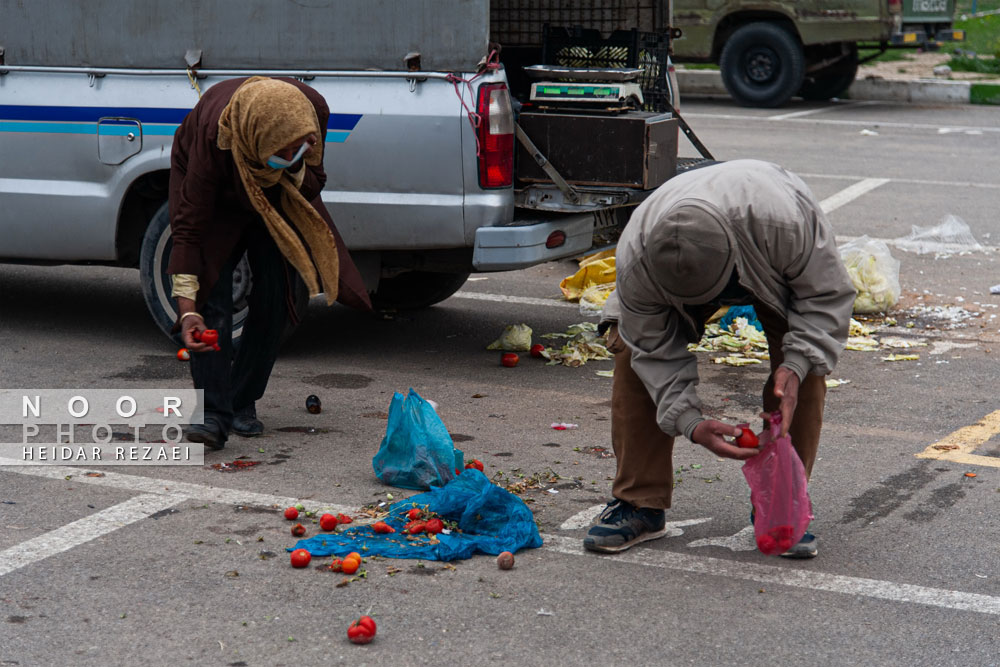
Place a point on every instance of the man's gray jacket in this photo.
(784, 255)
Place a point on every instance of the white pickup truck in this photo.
(422, 176)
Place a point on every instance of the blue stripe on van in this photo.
(337, 121)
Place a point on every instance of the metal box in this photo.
(635, 150)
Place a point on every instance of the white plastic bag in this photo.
(593, 298)
(874, 272)
(950, 236)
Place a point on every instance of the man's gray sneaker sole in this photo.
(809, 550)
(613, 549)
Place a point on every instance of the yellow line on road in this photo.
(958, 446)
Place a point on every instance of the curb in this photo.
(709, 82)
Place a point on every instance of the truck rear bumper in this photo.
(524, 244)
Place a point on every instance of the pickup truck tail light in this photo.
(496, 136)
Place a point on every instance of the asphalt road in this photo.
(138, 566)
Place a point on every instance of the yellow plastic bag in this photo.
(594, 272)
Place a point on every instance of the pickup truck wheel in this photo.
(153, 260)
(833, 80)
(416, 289)
(762, 65)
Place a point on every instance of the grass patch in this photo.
(979, 65)
(982, 93)
(700, 66)
(982, 35)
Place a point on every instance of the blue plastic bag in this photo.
(417, 451)
(490, 520)
(741, 311)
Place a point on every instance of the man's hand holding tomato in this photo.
(712, 434)
(191, 324)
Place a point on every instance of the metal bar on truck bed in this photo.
(103, 71)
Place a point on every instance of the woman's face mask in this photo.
(276, 162)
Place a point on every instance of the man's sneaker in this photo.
(622, 525)
(245, 422)
(806, 548)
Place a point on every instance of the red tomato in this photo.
(367, 622)
(343, 518)
(350, 565)
(291, 514)
(509, 359)
(747, 439)
(301, 558)
(209, 336)
(767, 545)
(183, 354)
(415, 527)
(382, 527)
(298, 530)
(328, 522)
(475, 463)
(413, 514)
(536, 350)
(457, 472)
(434, 526)
(336, 564)
(361, 633)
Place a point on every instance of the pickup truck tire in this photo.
(153, 260)
(762, 65)
(416, 289)
(833, 80)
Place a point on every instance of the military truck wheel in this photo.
(416, 289)
(762, 65)
(833, 80)
(153, 260)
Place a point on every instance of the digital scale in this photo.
(568, 88)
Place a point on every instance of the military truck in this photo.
(932, 21)
(770, 50)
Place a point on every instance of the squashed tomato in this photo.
(361, 631)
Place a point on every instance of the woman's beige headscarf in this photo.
(263, 116)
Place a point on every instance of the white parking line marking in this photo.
(583, 519)
(503, 298)
(84, 530)
(185, 490)
(850, 193)
(907, 181)
(741, 541)
(811, 112)
(797, 578)
(853, 123)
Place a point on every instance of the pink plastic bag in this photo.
(778, 492)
